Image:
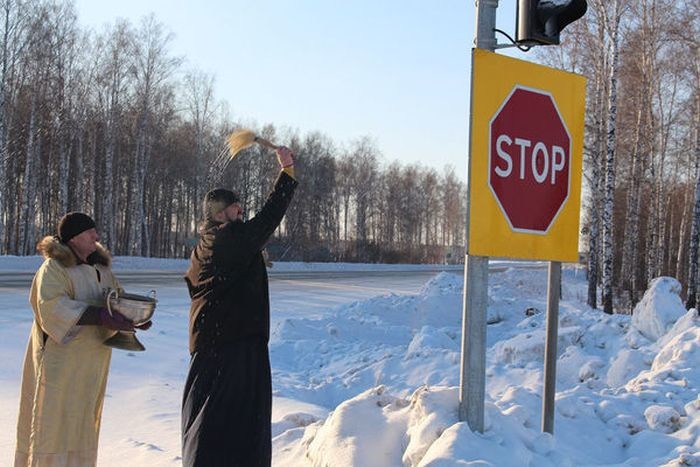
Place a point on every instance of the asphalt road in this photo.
(13, 280)
(399, 281)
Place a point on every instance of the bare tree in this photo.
(14, 38)
(114, 47)
(453, 208)
(612, 22)
(364, 156)
(688, 33)
(152, 68)
(643, 74)
(201, 109)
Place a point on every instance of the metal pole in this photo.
(485, 24)
(473, 375)
(472, 386)
(550, 349)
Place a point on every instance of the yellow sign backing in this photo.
(525, 159)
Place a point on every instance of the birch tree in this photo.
(36, 69)
(115, 46)
(595, 145)
(688, 35)
(691, 300)
(666, 96)
(28, 197)
(201, 108)
(152, 68)
(13, 37)
(642, 76)
(453, 208)
(63, 41)
(364, 157)
(612, 22)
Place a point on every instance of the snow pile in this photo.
(659, 309)
(388, 368)
(381, 413)
(662, 418)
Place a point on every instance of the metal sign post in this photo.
(472, 385)
(550, 346)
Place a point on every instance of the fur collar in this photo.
(51, 247)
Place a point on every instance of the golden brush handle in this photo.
(266, 143)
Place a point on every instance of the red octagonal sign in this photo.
(529, 160)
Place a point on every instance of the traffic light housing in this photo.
(539, 22)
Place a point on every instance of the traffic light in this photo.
(541, 21)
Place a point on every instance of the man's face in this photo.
(85, 243)
(234, 212)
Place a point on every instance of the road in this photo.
(23, 279)
(407, 280)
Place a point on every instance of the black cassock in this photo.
(227, 407)
(227, 402)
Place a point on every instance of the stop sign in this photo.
(529, 159)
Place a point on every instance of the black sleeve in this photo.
(236, 243)
(261, 227)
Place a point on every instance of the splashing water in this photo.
(218, 166)
(235, 143)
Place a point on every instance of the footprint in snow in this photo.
(147, 446)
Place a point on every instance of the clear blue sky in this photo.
(396, 70)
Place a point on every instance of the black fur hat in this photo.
(72, 224)
(217, 200)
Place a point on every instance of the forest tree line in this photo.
(112, 123)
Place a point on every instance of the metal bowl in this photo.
(137, 308)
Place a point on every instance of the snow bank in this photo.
(659, 308)
(633, 397)
(366, 430)
(432, 412)
(625, 365)
(374, 429)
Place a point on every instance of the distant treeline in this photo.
(110, 123)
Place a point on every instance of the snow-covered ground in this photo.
(375, 382)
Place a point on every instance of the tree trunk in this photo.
(630, 247)
(63, 168)
(677, 263)
(4, 157)
(107, 186)
(4, 114)
(608, 204)
(691, 301)
(31, 175)
(136, 211)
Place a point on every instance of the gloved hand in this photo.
(285, 157)
(115, 321)
(95, 315)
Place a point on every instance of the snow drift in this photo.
(389, 366)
